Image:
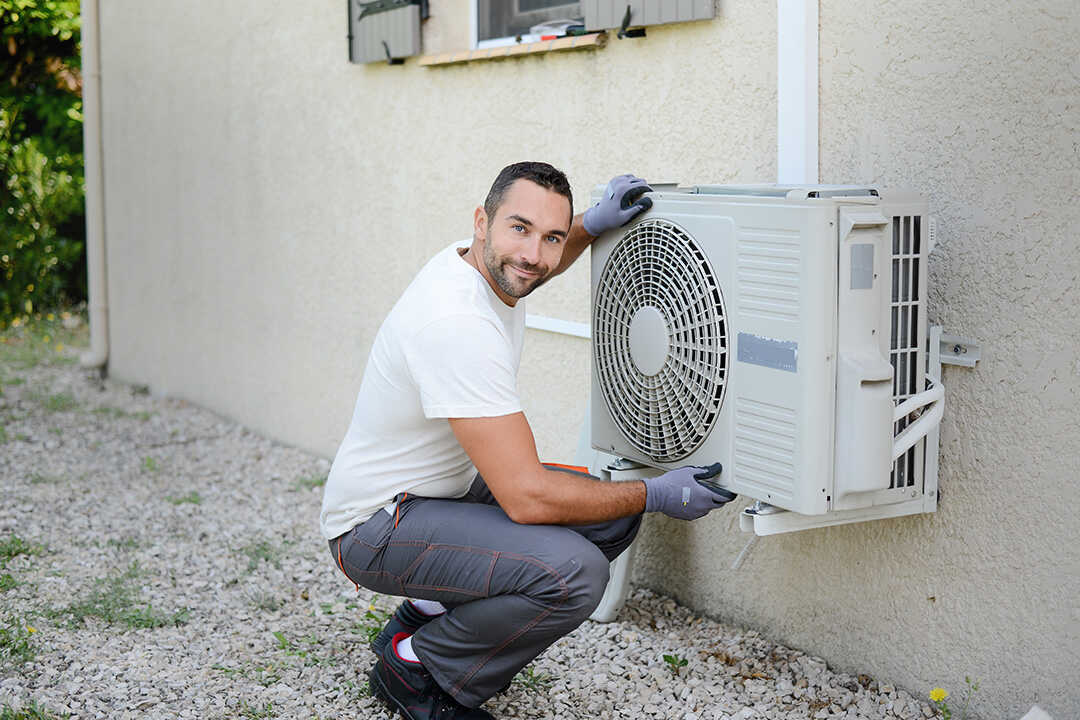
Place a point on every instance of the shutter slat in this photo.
(608, 14)
(398, 28)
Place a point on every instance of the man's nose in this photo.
(530, 250)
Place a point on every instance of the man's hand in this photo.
(621, 203)
(685, 493)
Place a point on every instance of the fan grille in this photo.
(658, 268)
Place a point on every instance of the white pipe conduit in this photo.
(797, 91)
(97, 288)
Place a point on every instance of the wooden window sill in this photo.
(593, 41)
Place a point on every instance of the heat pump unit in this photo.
(780, 331)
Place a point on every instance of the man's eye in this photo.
(519, 228)
(555, 239)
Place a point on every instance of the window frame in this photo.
(474, 31)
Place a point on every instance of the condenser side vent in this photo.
(907, 321)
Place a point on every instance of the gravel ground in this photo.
(170, 565)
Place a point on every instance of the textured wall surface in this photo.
(976, 105)
(267, 202)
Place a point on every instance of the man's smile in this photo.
(528, 275)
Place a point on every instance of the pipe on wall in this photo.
(97, 287)
(797, 91)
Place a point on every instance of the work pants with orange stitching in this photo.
(511, 589)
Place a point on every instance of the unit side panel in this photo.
(782, 379)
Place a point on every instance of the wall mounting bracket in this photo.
(956, 350)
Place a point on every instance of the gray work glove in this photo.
(621, 203)
(686, 493)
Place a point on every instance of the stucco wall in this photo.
(266, 203)
(976, 105)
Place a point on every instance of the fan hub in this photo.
(650, 340)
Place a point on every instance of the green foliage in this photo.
(13, 545)
(309, 482)
(114, 600)
(42, 221)
(193, 497)
(33, 711)
(60, 402)
(41, 339)
(938, 697)
(41, 71)
(265, 674)
(532, 680)
(15, 648)
(250, 713)
(262, 551)
(7, 582)
(674, 663)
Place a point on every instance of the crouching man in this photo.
(437, 494)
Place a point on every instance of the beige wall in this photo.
(266, 202)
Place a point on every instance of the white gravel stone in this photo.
(217, 523)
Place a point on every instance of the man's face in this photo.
(524, 241)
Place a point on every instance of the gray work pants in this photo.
(512, 589)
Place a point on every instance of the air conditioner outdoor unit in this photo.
(780, 331)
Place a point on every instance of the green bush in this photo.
(42, 220)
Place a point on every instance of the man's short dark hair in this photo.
(544, 175)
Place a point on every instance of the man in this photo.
(437, 493)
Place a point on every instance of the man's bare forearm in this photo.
(559, 498)
(576, 242)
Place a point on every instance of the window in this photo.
(505, 22)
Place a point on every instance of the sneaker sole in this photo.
(382, 694)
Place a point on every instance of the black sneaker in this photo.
(409, 689)
(406, 619)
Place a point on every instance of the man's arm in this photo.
(621, 202)
(504, 452)
(576, 242)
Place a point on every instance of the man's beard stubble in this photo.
(495, 269)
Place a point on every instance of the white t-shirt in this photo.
(449, 348)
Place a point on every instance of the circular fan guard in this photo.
(659, 267)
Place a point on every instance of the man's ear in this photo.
(480, 224)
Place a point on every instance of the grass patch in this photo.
(265, 675)
(57, 402)
(263, 551)
(113, 412)
(33, 711)
(302, 649)
(3, 435)
(532, 680)
(267, 602)
(373, 620)
(42, 479)
(13, 546)
(309, 482)
(15, 648)
(249, 713)
(149, 464)
(115, 600)
(192, 498)
(7, 582)
(127, 543)
(43, 339)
